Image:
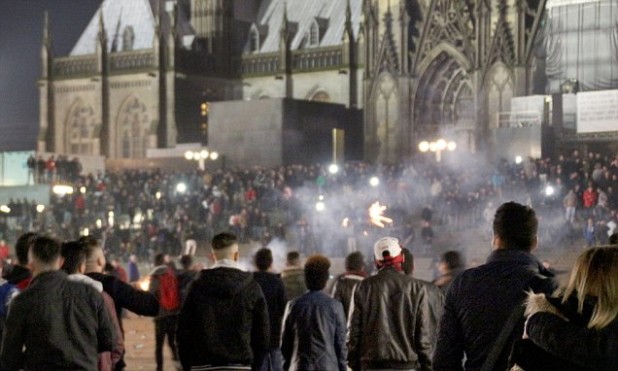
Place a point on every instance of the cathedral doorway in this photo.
(444, 103)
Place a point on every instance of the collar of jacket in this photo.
(519, 257)
(48, 276)
(226, 263)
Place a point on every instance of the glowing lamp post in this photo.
(201, 157)
(437, 147)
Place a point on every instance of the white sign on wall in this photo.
(555, 3)
(597, 111)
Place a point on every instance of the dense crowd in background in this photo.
(145, 211)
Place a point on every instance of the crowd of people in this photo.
(142, 212)
(61, 308)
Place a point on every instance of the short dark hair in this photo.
(355, 261)
(223, 240)
(293, 257)
(90, 244)
(263, 259)
(316, 272)
(516, 225)
(45, 249)
(74, 254)
(452, 259)
(186, 261)
(159, 259)
(408, 261)
(23, 245)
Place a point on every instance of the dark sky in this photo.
(21, 30)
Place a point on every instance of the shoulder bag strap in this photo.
(505, 334)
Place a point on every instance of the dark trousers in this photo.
(165, 326)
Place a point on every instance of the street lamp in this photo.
(201, 156)
(437, 147)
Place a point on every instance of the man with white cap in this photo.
(389, 323)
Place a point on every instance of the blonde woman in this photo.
(581, 325)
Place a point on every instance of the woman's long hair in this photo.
(596, 274)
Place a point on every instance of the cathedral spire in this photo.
(46, 47)
(101, 35)
(46, 31)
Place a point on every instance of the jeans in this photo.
(165, 326)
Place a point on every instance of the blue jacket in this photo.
(314, 334)
(480, 301)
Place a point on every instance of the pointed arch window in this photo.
(81, 129)
(133, 130)
(128, 38)
(314, 34)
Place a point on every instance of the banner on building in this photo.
(555, 3)
(597, 111)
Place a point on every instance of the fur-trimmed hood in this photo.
(539, 303)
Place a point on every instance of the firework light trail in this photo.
(376, 215)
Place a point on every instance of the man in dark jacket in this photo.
(223, 323)
(124, 295)
(344, 284)
(389, 324)
(56, 323)
(481, 300)
(313, 336)
(276, 298)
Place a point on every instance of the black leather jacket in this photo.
(389, 325)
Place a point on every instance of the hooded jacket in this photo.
(224, 321)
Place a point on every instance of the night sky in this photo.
(21, 30)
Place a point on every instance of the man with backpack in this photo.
(164, 285)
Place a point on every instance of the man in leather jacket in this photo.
(389, 324)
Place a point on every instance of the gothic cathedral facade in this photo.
(143, 72)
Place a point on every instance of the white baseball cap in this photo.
(386, 246)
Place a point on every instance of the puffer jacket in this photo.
(313, 336)
(223, 321)
(389, 324)
(558, 328)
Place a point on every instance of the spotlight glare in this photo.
(181, 188)
(189, 155)
(423, 146)
(549, 191)
(374, 181)
(518, 160)
(320, 206)
(451, 146)
(214, 155)
(441, 143)
(333, 169)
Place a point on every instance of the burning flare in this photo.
(376, 215)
